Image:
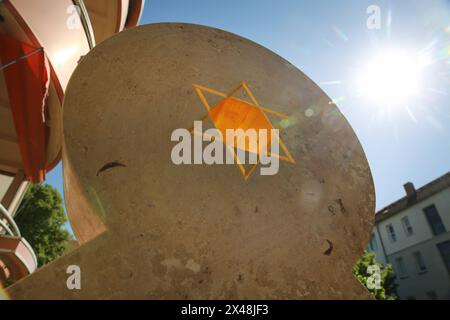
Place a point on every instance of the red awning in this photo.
(27, 84)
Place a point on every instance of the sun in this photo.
(392, 77)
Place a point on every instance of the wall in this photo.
(5, 182)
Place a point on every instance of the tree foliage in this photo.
(387, 289)
(41, 218)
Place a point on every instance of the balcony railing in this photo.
(7, 225)
(17, 257)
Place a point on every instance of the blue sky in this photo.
(330, 42)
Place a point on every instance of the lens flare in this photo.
(3, 294)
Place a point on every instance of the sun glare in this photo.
(392, 76)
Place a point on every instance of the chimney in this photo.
(410, 191)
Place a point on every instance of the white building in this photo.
(413, 234)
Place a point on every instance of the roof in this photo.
(422, 193)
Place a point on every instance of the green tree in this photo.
(387, 289)
(41, 218)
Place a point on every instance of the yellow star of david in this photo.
(234, 113)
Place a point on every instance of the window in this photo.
(407, 226)
(391, 233)
(401, 267)
(444, 249)
(373, 246)
(434, 220)
(421, 267)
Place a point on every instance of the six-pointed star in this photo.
(234, 113)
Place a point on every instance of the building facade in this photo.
(413, 234)
(41, 44)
